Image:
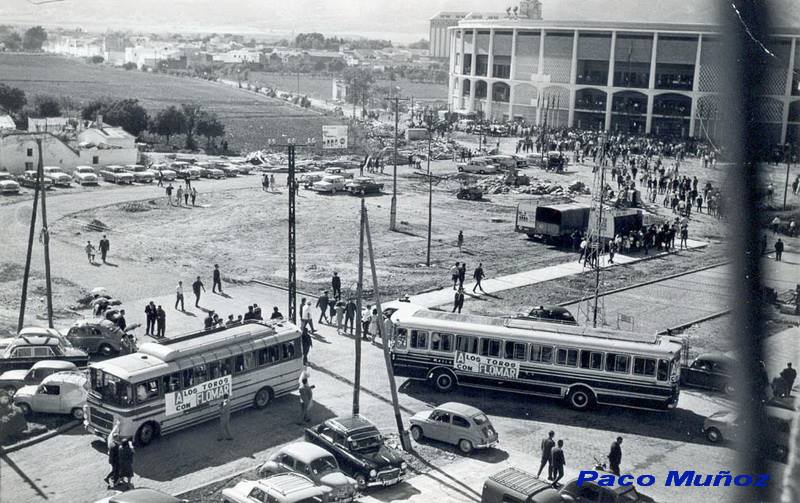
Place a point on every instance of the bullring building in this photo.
(623, 77)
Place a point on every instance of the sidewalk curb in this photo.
(688, 324)
(217, 480)
(35, 440)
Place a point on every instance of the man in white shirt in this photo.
(179, 295)
(305, 315)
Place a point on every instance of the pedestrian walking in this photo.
(615, 456)
(306, 399)
(112, 479)
(179, 295)
(126, 462)
(462, 274)
(90, 251)
(350, 315)
(306, 341)
(788, 375)
(160, 177)
(305, 314)
(547, 454)
(194, 196)
(272, 181)
(336, 285)
(179, 195)
(168, 190)
(225, 419)
(454, 273)
(104, 247)
(478, 275)
(460, 240)
(778, 249)
(197, 286)
(186, 194)
(458, 300)
(340, 308)
(265, 182)
(217, 280)
(161, 321)
(150, 317)
(322, 305)
(375, 324)
(120, 321)
(684, 237)
(557, 461)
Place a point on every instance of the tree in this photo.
(46, 106)
(96, 59)
(11, 98)
(359, 84)
(12, 41)
(130, 65)
(420, 44)
(191, 112)
(337, 65)
(209, 125)
(168, 122)
(34, 38)
(127, 114)
(90, 111)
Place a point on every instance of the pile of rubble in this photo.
(503, 184)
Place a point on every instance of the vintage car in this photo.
(243, 168)
(85, 175)
(188, 172)
(7, 184)
(552, 314)
(307, 180)
(725, 425)
(315, 463)
(163, 173)
(209, 170)
(140, 173)
(336, 170)
(362, 185)
(230, 170)
(98, 336)
(25, 350)
(457, 424)
(504, 162)
(116, 174)
(329, 183)
(281, 488)
(30, 179)
(59, 393)
(12, 380)
(480, 166)
(514, 485)
(470, 193)
(710, 371)
(359, 448)
(591, 491)
(56, 175)
(141, 495)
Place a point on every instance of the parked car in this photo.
(360, 450)
(329, 183)
(337, 170)
(229, 169)
(12, 380)
(30, 179)
(209, 170)
(470, 193)
(553, 314)
(116, 174)
(725, 426)
(363, 185)
(504, 162)
(57, 176)
(243, 168)
(140, 173)
(514, 485)
(457, 424)
(163, 173)
(591, 491)
(25, 350)
(315, 463)
(7, 184)
(188, 173)
(282, 488)
(141, 495)
(481, 166)
(85, 175)
(710, 371)
(59, 393)
(98, 336)
(307, 180)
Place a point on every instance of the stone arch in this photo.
(466, 89)
(591, 98)
(672, 104)
(629, 102)
(481, 89)
(501, 92)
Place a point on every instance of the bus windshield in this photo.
(112, 389)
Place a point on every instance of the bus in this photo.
(178, 383)
(581, 365)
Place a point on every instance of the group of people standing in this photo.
(182, 194)
(553, 458)
(120, 457)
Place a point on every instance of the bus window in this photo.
(244, 362)
(400, 338)
(200, 374)
(441, 342)
(213, 370)
(273, 355)
(516, 351)
(171, 382)
(542, 354)
(568, 357)
(188, 378)
(288, 350)
(419, 339)
(490, 347)
(225, 367)
(147, 391)
(663, 370)
(263, 357)
(591, 360)
(644, 366)
(617, 363)
(467, 344)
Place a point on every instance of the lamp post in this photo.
(429, 124)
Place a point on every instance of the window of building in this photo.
(591, 360)
(541, 354)
(419, 339)
(568, 357)
(30, 152)
(28, 166)
(644, 366)
(96, 159)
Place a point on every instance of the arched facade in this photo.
(629, 112)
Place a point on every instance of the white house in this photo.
(48, 124)
(239, 56)
(6, 122)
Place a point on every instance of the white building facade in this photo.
(625, 77)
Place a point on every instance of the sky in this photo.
(399, 20)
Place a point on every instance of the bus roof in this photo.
(470, 324)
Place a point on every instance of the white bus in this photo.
(180, 382)
(581, 365)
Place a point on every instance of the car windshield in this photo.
(324, 465)
(368, 442)
(480, 419)
(112, 389)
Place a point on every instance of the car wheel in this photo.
(580, 398)
(333, 191)
(416, 433)
(482, 172)
(714, 435)
(444, 381)
(361, 480)
(465, 446)
(728, 388)
(105, 350)
(460, 196)
(145, 434)
(25, 408)
(77, 413)
(460, 170)
(262, 399)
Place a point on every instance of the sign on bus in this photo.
(177, 402)
(486, 365)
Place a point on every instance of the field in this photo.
(249, 119)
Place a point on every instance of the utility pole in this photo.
(24, 298)
(430, 196)
(599, 231)
(359, 293)
(45, 237)
(393, 211)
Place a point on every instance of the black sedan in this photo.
(362, 185)
(710, 371)
(359, 449)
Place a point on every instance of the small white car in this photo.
(116, 174)
(481, 166)
(457, 424)
(330, 183)
(163, 173)
(85, 175)
(230, 170)
(57, 176)
(12, 380)
(59, 393)
(282, 488)
(140, 173)
(7, 184)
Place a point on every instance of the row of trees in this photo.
(318, 41)
(31, 40)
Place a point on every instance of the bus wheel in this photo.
(263, 397)
(443, 381)
(147, 432)
(580, 398)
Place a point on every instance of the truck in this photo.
(551, 222)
